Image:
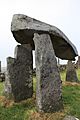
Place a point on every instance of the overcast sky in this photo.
(64, 14)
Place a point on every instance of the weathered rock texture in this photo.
(48, 91)
(24, 27)
(70, 118)
(18, 82)
(71, 72)
(78, 62)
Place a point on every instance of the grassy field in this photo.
(26, 110)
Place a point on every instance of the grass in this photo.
(63, 75)
(71, 99)
(12, 111)
(26, 110)
(1, 88)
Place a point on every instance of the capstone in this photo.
(23, 28)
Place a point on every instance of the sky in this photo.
(64, 14)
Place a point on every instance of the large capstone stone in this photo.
(18, 83)
(48, 91)
(24, 27)
(71, 75)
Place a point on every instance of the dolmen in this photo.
(48, 42)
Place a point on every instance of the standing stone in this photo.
(71, 75)
(0, 66)
(8, 78)
(18, 84)
(48, 91)
(78, 62)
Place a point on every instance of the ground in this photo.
(26, 110)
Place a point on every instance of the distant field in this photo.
(26, 110)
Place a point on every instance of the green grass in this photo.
(71, 99)
(1, 88)
(63, 75)
(26, 110)
(20, 111)
(34, 83)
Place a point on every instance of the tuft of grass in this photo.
(47, 116)
(17, 111)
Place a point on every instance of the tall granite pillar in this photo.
(48, 91)
(71, 75)
(18, 83)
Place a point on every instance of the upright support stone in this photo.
(48, 91)
(8, 78)
(71, 75)
(18, 83)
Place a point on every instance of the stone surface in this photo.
(70, 118)
(48, 91)
(24, 27)
(18, 83)
(71, 72)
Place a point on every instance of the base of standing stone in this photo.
(48, 91)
